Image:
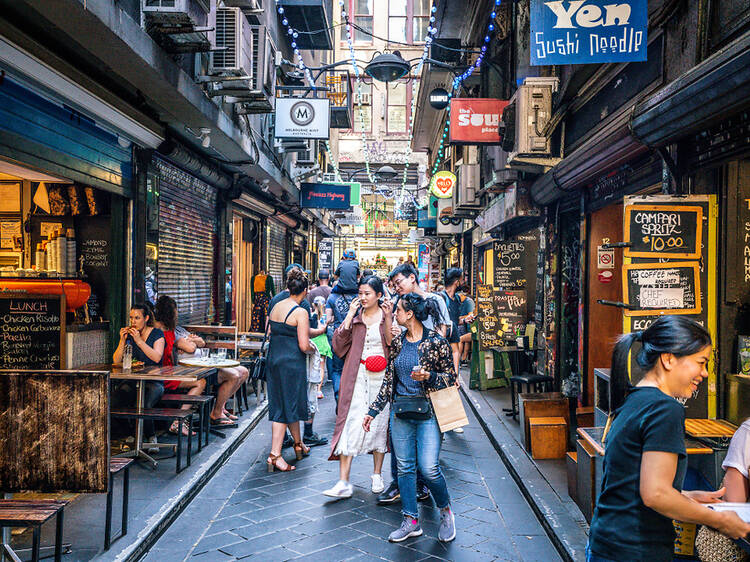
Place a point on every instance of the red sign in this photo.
(476, 120)
(606, 276)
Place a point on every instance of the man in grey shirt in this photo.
(405, 279)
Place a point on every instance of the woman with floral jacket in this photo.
(420, 361)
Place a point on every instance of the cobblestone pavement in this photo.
(246, 512)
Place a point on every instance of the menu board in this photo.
(669, 288)
(33, 331)
(515, 261)
(500, 315)
(667, 231)
(93, 237)
(488, 321)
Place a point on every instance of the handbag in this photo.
(259, 369)
(411, 407)
(712, 546)
(375, 363)
(448, 408)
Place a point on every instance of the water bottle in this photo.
(127, 357)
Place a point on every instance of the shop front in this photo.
(66, 180)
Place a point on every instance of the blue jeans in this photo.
(337, 365)
(416, 444)
(590, 557)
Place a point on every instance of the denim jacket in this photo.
(435, 356)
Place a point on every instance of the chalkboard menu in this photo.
(488, 322)
(515, 261)
(93, 235)
(668, 231)
(670, 288)
(33, 331)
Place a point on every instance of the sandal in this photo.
(300, 450)
(185, 428)
(271, 464)
(221, 421)
(230, 416)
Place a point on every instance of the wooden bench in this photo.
(223, 337)
(203, 402)
(33, 513)
(117, 465)
(166, 414)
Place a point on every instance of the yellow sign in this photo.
(442, 184)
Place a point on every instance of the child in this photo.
(321, 341)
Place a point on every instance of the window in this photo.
(363, 123)
(360, 14)
(408, 20)
(397, 107)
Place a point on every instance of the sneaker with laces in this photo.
(342, 489)
(409, 528)
(447, 529)
(377, 484)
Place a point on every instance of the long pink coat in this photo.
(349, 344)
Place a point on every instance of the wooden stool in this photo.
(116, 466)
(549, 437)
(33, 513)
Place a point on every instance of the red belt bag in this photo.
(374, 363)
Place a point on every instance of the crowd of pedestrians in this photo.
(385, 344)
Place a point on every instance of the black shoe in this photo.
(390, 494)
(314, 440)
(423, 493)
(288, 441)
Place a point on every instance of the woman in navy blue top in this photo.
(645, 458)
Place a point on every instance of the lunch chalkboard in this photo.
(510, 307)
(33, 331)
(500, 315)
(669, 288)
(668, 231)
(93, 236)
(488, 322)
(515, 261)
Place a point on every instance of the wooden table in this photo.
(168, 373)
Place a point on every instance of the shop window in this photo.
(408, 20)
(361, 15)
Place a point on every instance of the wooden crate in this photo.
(585, 478)
(585, 416)
(571, 468)
(549, 437)
(540, 405)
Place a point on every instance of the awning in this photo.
(701, 97)
(487, 239)
(311, 17)
(607, 149)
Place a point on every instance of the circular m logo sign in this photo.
(302, 113)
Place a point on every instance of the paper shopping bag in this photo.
(448, 408)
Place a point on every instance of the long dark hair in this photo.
(677, 335)
(421, 307)
(146, 311)
(165, 311)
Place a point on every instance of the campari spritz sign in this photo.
(588, 31)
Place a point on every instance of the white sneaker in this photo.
(342, 489)
(377, 484)
(458, 430)
(152, 450)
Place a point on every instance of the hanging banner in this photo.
(589, 31)
(297, 118)
(423, 262)
(324, 196)
(442, 184)
(476, 120)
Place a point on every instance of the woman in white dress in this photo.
(362, 340)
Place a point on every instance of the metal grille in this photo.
(277, 258)
(226, 36)
(187, 234)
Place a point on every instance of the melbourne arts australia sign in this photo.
(588, 31)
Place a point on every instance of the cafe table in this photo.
(140, 376)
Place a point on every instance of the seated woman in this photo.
(148, 345)
(165, 313)
(736, 464)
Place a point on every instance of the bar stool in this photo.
(539, 383)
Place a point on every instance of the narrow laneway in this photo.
(246, 512)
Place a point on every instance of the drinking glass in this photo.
(204, 352)
(221, 353)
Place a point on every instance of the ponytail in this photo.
(619, 381)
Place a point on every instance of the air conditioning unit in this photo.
(248, 6)
(466, 195)
(175, 14)
(533, 108)
(495, 171)
(308, 157)
(234, 38)
(365, 98)
(291, 146)
(263, 62)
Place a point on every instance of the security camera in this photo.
(205, 137)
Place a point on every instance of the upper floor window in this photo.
(362, 122)
(361, 14)
(408, 20)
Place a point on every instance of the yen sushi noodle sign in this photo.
(588, 31)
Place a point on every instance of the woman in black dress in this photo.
(286, 372)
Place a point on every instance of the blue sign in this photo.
(325, 196)
(588, 31)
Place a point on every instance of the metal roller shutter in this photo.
(277, 258)
(187, 231)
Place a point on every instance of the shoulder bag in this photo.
(411, 407)
(259, 369)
